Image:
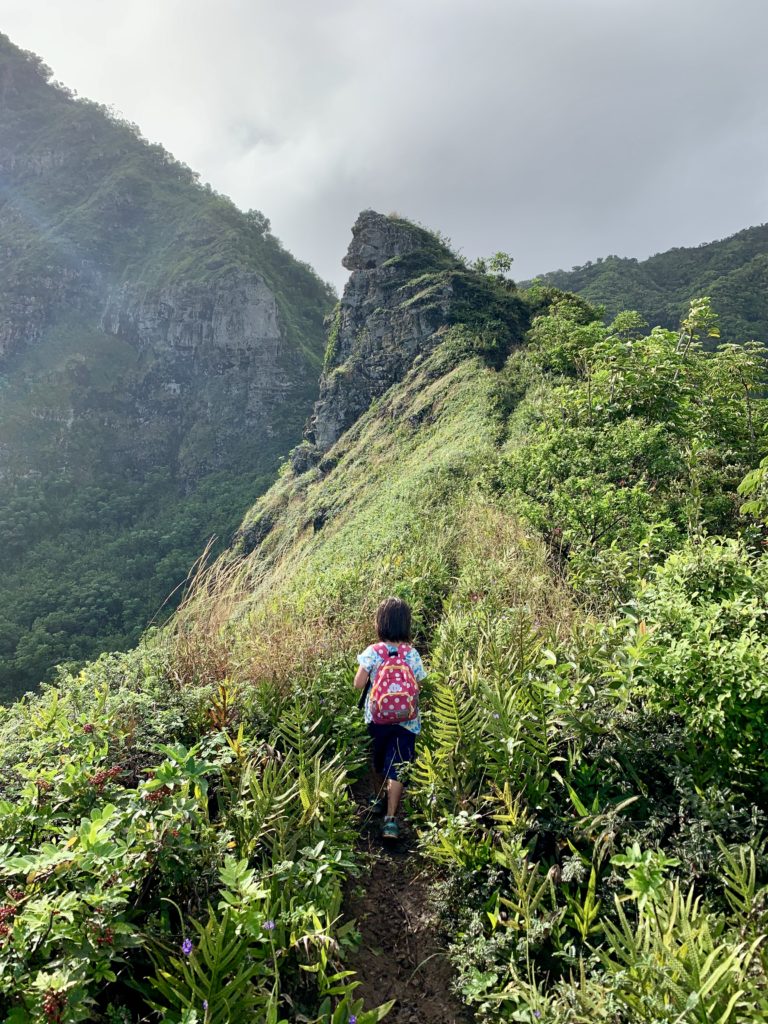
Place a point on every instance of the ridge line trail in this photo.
(401, 954)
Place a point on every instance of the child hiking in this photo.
(389, 674)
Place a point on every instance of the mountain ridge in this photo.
(159, 353)
(733, 271)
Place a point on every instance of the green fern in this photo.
(296, 732)
(453, 720)
(747, 902)
(266, 796)
(672, 963)
(221, 971)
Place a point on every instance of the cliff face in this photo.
(380, 325)
(405, 291)
(152, 338)
(213, 360)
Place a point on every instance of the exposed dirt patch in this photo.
(402, 955)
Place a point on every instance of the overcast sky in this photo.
(557, 130)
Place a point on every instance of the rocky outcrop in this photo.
(214, 358)
(29, 302)
(236, 314)
(387, 315)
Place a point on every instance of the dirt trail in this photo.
(401, 956)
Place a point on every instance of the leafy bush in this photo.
(707, 656)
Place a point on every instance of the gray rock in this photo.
(387, 316)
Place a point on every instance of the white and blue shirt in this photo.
(371, 661)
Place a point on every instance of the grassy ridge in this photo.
(590, 787)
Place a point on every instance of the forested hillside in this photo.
(558, 500)
(733, 272)
(159, 352)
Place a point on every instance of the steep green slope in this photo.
(159, 352)
(590, 789)
(733, 272)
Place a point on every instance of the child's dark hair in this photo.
(393, 620)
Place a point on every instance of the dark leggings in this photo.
(392, 746)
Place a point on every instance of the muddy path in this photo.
(402, 954)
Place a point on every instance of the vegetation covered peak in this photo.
(159, 351)
(732, 271)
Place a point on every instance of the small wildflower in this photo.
(269, 925)
(88, 727)
(352, 1018)
(205, 1006)
(537, 1014)
(187, 947)
(495, 714)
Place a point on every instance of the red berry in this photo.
(157, 794)
(53, 1005)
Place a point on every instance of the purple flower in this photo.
(187, 947)
(269, 925)
(205, 1005)
(352, 1018)
(537, 1014)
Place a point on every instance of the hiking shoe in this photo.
(390, 829)
(377, 805)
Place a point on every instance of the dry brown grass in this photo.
(498, 544)
(244, 621)
(198, 633)
(234, 624)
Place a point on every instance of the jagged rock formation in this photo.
(406, 289)
(381, 323)
(151, 336)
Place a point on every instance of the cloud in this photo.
(559, 130)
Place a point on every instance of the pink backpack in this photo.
(395, 692)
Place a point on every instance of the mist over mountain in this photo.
(159, 352)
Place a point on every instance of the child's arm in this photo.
(361, 678)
